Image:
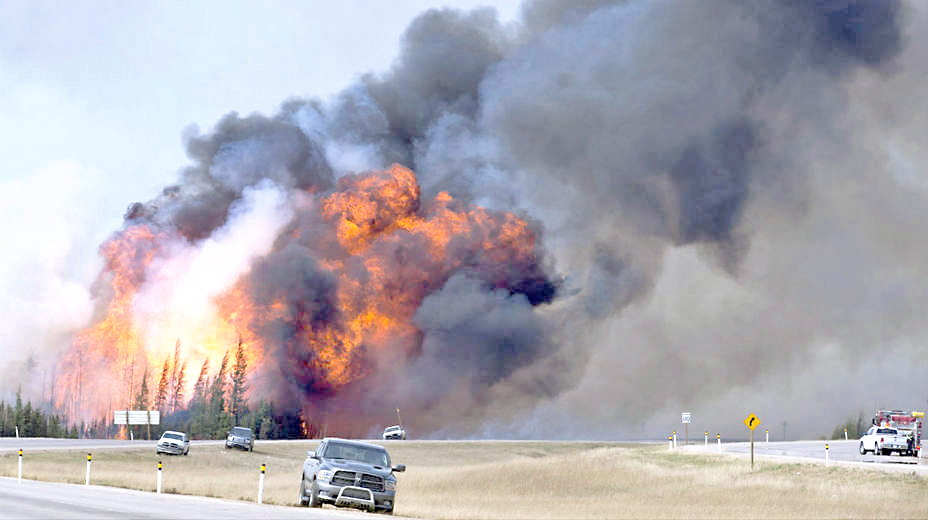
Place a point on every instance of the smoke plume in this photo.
(574, 225)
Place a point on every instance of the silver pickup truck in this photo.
(349, 473)
(884, 441)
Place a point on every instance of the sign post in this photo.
(687, 418)
(751, 421)
(87, 476)
(137, 417)
(159, 477)
(20, 479)
(261, 485)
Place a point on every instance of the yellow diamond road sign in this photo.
(752, 422)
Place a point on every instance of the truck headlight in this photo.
(390, 484)
(325, 475)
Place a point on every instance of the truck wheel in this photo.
(861, 449)
(309, 498)
(303, 500)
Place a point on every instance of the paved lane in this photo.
(841, 453)
(12, 444)
(46, 500)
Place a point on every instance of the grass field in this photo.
(494, 480)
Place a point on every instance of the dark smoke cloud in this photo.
(700, 169)
(237, 154)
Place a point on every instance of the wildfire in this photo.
(365, 257)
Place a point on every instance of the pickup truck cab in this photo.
(884, 440)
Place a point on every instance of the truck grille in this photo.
(372, 482)
(347, 478)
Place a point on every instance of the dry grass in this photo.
(494, 480)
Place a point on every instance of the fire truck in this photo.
(906, 423)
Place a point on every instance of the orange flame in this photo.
(390, 250)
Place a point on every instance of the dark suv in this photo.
(349, 472)
(241, 438)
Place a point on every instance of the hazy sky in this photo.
(109, 86)
(94, 97)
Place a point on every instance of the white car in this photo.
(394, 432)
(884, 440)
(174, 442)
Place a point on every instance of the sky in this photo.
(728, 194)
(95, 98)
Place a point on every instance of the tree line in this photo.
(217, 402)
(31, 421)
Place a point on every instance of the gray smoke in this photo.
(729, 193)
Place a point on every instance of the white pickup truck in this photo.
(884, 440)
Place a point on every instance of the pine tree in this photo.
(200, 388)
(141, 399)
(162, 395)
(172, 384)
(18, 412)
(216, 416)
(179, 382)
(237, 405)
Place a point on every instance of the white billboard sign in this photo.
(687, 417)
(137, 417)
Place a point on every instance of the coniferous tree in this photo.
(201, 386)
(25, 425)
(172, 381)
(217, 419)
(180, 380)
(237, 405)
(162, 395)
(141, 399)
(18, 412)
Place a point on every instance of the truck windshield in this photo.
(372, 456)
(169, 435)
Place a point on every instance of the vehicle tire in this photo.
(303, 500)
(186, 451)
(862, 450)
(314, 496)
(251, 448)
(886, 452)
(227, 445)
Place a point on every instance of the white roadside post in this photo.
(669, 442)
(707, 439)
(261, 485)
(845, 433)
(159, 477)
(17, 432)
(718, 439)
(87, 476)
(675, 440)
(826, 454)
(766, 436)
(20, 479)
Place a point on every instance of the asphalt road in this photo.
(47, 500)
(12, 444)
(840, 453)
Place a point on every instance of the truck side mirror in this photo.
(399, 467)
(311, 454)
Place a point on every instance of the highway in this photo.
(840, 453)
(12, 444)
(48, 500)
